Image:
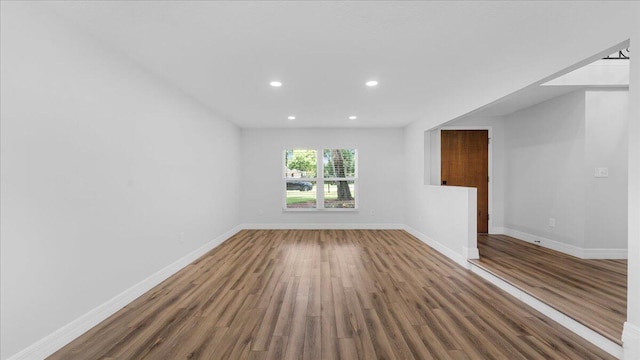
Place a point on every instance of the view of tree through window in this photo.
(320, 179)
(339, 164)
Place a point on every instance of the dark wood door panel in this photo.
(465, 162)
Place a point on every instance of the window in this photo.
(320, 179)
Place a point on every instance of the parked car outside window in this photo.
(299, 185)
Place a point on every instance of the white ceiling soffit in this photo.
(601, 73)
(521, 100)
(609, 74)
(424, 54)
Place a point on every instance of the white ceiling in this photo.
(224, 54)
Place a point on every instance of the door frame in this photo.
(489, 129)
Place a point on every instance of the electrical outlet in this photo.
(552, 222)
(601, 172)
(181, 240)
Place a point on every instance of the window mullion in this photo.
(320, 183)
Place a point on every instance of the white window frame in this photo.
(319, 180)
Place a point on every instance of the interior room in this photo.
(218, 179)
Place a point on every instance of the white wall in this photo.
(105, 169)
(544, 174)
(552, 150)
(606, 147)
(380, 168)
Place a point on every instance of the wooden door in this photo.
(465, 162)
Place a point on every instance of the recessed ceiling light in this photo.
(352, 117)
(275, 83)
(371, 83)
(291, 117)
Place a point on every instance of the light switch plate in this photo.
(601, 172)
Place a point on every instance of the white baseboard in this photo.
(631, 341)
(572, 250)
(496, 230)
(323, 226)
(586, 333)
(438, 247)
(61, 337)
(605, 254)
(544, 242)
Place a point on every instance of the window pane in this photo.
(300, 163)
(339, 163)
(339, 194)
(301, 194)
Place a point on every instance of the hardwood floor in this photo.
(327, 294)
(592, 292)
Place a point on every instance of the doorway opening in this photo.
(464, 162)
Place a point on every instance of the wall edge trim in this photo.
(631, 341)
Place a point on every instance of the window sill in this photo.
(296, 210)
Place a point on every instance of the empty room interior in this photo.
(319, 180)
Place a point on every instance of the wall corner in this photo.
(470, 253)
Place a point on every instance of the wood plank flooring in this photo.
(592, 292)
(327, 294)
